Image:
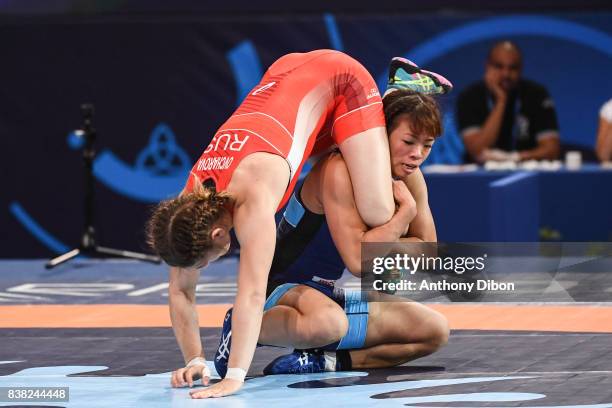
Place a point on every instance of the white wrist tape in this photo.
(200, 361)
(196, 361)
(237, 374)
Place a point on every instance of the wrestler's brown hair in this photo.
(179, 229)
(422, 111)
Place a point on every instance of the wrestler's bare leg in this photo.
(367, 158)
(398, 332)
(303, 318)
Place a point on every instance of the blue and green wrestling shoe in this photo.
(405, 74)
(223, 351)
(298, 362)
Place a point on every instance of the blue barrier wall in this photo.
(514, 208)
(522, 206)
(172, 79)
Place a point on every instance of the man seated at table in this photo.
(505, 117)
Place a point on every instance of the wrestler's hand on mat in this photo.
(186, 376)
(225, 387)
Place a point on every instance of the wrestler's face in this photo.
(408, 150)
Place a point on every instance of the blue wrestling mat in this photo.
(130, 366)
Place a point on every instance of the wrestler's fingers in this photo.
(177, 378)
(212, 392)
(189, 374)
(205, 375)
(200, 394)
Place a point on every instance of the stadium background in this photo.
(164, 76)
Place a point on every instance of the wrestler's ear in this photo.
(218, 233)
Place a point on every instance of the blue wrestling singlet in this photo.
(305, 251)
(305, 254)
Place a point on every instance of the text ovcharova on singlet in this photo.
(215, 163)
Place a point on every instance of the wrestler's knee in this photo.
(376, 212)
(439, 331)
(329, 326)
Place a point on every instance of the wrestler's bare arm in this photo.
(256, 231)
(262, 179)
(258, 186)
(345, 224)
(422, 227)
(183, 311)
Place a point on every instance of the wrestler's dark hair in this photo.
(179, 229)
(422, 112)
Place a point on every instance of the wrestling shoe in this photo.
(405, 74)
(298, 362)
(223, 351)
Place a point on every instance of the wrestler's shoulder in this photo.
(258, 171)
(334, 170)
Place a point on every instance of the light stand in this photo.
(88, 244)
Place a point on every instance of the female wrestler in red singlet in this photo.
(304, 104)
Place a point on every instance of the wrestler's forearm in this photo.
(184, 317)
(246, 325)
(256, 232)
(393, 230)
(249, 303)
(389, 232)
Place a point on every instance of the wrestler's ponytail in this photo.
(179, 230)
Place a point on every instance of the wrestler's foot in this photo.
(405, 74)
(298, 362)
(223, 351)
